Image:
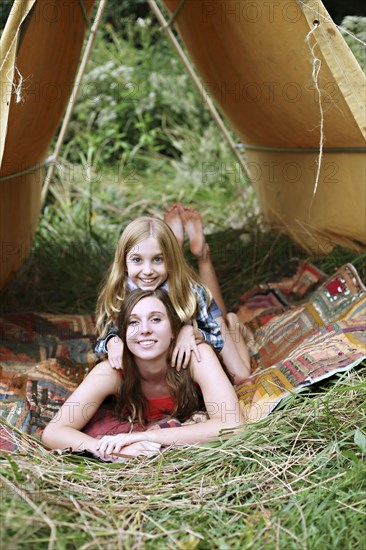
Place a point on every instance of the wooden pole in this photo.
(73, 98)
(8, 52)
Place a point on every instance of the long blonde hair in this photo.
(131, 402)
(182, 278)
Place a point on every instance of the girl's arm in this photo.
(101, 345)
(112, 345)
(221, 403)
(208, 331)
(64, 430)
(185, 345)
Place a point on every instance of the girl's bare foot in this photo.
(173, 219)
(192, 224)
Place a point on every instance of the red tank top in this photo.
(159, 406)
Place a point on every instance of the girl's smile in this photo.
(145, 265)
(146, 343)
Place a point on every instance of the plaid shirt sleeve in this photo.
(208, 326)
(101, 345)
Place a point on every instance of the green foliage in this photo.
(132, 9)
(338, 9)
(357, 27)
(135, 146)
(5, 8)
(129, 101)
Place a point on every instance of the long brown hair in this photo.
(181, 277)
(131, 402)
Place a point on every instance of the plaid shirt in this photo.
(206, 322)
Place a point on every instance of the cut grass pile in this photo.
(294, 480)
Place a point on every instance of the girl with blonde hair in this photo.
(149, 255)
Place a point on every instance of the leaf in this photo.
(360, 440)
(351, 455)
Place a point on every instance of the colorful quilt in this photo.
(303, 329)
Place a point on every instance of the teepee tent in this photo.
(287, 82)
(39, 55)
(281, 75)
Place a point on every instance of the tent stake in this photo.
(73, 97)
(210, 105)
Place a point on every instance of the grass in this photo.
(63, 276)
(294, 480)
(82, 222)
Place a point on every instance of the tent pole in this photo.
(73, 97)
(8, 52)
(211, 107)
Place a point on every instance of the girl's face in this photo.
(145, 265)
(149, 332)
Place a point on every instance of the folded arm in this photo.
(221, 403)
(64, 430)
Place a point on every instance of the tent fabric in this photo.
(46, 60)
(8, 50)
(287, 82)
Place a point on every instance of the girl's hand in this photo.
(115, 349)
(110, 445)
(140, 448)
(185, 345)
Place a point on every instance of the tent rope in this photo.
(211, 107)
(50, 160)
(85, 15)
(73, 97)
(301, 149)
(315, 74)
(327, 19)
(175, 13)
(15, 38)
(346, 31)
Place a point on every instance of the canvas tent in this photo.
(281, 75)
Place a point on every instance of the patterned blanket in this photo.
(304, 328)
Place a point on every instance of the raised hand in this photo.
(185, 345)
(115, 350)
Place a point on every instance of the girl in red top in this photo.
(148, 327)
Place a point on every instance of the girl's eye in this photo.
(132, 322)
(158, 260)
(156, 319)
(135, 260)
